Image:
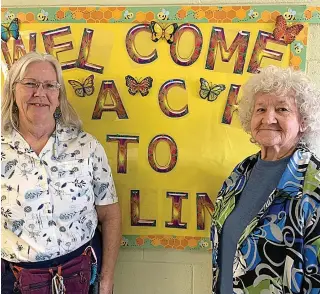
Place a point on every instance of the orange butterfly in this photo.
(282, 30)
(135, 86)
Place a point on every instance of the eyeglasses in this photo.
(34, 84)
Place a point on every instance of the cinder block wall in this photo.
(142, 271)
(163, 271)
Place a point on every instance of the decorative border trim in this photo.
(166, 241)
(179, 14)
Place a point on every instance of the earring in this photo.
(14, 108)
(57, 114)
(253, 141)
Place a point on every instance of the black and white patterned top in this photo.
(48, 200)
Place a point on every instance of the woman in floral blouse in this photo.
(56, 180)
(265, 228)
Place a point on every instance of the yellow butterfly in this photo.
(210, 91)
(159, 31)
(84, 89)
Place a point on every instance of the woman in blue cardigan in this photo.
(265, 228)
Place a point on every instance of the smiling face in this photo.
(37, 105)
(276, 122)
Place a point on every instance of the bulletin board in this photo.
(159, 88)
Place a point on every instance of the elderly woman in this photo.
(265, 228)
(56, 186)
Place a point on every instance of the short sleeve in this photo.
(103, 184)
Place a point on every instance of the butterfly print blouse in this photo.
(279, 251)
(48, 201)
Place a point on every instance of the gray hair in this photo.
(285, 82)
(10, 118)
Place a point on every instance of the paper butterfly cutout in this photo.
(11, 30)
(288, 33)
(210, 91)
(160, 32)
(81, 90)
(134, 86)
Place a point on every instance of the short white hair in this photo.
(285, 82)
(10, 118)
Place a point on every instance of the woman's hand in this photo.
(106, 286)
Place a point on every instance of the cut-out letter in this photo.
(176, 210)
(260, 51)
(109, 87)
(152, 153)
(123, 142)
(51, 47)
(135, 212)
(231, 104)
(163, 99)
(131, 47)
(218, 40)
(203, 201)
(84, 52)
(198, 40)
